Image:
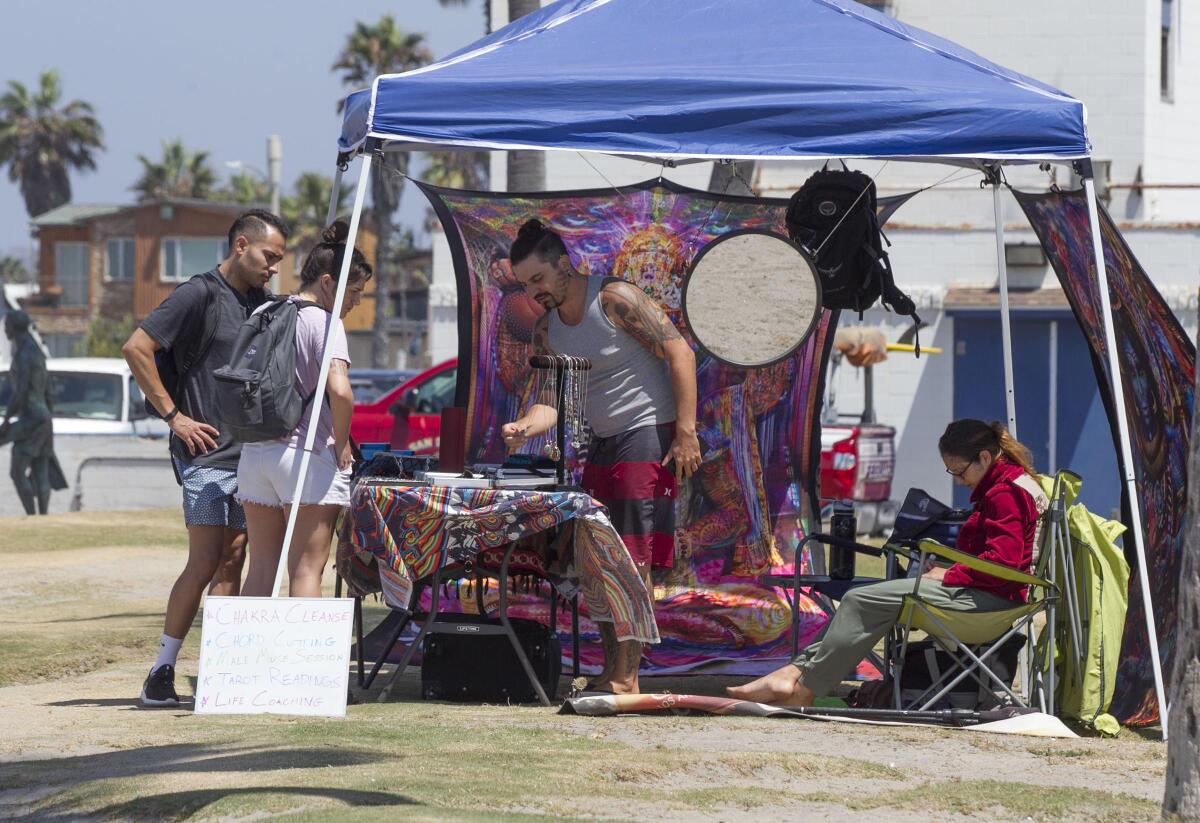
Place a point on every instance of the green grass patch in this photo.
(1016, 800)
(86, 530)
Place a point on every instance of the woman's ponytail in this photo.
(1015, 451)
(965, 439)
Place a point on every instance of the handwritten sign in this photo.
(262, 655)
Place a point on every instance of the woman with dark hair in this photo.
(1003, 527)
(268, 471)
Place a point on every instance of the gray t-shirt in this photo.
(180, 315)
(627, 386)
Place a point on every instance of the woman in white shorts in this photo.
(267, 471)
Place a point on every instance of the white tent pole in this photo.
(317, 405)
(331, 212)
(1010, 397)
(1118, 392)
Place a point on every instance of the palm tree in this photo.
(180, 173)
(526, 170)
(305, 210)
(41, 141)
(13, 270)
(245, 187)
(487, 11)
(371, 50)
(455, 170)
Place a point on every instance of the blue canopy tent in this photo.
(704, 80)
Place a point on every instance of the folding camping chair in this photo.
(970, 638)
(920, 516)
(828, 589)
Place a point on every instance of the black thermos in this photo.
(842, 526)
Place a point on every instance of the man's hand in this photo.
(936, 573)
(515, 435)
(200, 438)
(685, 452)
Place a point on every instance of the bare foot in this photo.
(802, 697)
(626, 686)
(781, 687)
(628, 660)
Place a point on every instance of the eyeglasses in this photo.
(961, 471)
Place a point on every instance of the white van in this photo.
(94, 395)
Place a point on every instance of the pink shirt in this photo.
(311, 326)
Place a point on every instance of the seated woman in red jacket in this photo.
(1007, 503)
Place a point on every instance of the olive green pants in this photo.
(865, 615)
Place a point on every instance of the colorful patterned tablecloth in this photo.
(409, 529)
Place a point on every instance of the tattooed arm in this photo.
(542, 414)
(632, 310)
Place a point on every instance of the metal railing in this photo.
(115, 462)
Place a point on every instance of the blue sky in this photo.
(222, 75)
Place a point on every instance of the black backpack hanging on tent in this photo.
(833, 215)
(257, 394)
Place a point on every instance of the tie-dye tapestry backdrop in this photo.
(1158, 373)
(740, 516)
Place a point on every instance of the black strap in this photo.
(184, 362)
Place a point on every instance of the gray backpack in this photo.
(258, 397)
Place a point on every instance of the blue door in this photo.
(1078, 437)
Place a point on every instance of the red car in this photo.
(418, 401)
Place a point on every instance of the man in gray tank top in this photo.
(640, 404)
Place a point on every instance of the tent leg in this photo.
(331, 212)
(1010, 397)
(315, 413)
(1118, 393)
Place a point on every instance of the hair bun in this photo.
(336, 233)
(531, 227)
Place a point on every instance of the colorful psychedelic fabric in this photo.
(740, 516)
(410, 529)
(1158, 374)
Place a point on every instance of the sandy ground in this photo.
(79, 623)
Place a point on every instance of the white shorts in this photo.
(267, 474)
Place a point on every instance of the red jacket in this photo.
(1001, 530)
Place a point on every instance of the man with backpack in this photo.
(172, 355)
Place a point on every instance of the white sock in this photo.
(168, 652)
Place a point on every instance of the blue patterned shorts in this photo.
(208, 497)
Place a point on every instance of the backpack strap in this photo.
(303, 304)
(185, 360)
(898, 301)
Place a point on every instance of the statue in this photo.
(35, 469)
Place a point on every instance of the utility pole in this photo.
(274, 169)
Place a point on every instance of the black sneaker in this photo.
(159, 688)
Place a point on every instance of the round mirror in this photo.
(751, 298)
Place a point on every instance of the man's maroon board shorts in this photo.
(625, 473)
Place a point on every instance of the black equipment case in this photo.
(469, 658)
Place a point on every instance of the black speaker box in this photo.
(468, 658)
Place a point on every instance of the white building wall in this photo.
(1173, 125)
